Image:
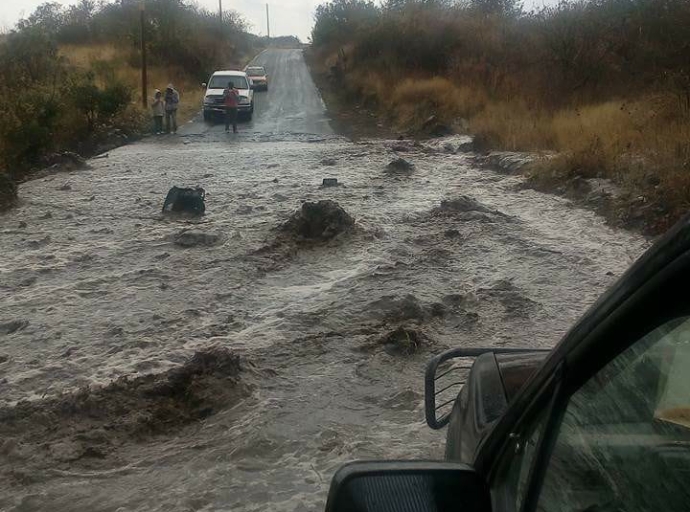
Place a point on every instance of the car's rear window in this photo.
(221, 82)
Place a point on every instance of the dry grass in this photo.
(409, 102)
(112, 63)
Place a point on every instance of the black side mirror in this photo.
(447, 373)
(410, 486)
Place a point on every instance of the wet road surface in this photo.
(93, 287)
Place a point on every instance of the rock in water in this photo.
(330, 182)
(12, 326)
(185, 200)
(399, 166)
(404, 341)
(322, 220)
(194, 238)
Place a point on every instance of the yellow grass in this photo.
(111, 63)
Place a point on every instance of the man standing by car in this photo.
(172, 100)
(230, 99)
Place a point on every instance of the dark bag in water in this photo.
(188, 200)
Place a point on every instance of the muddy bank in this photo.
(620, 208)
(86, 428)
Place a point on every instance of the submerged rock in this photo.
(468, 208)
(319, 221)
(404, 341)
(12, 326)
(399, 166)
(329, 182)
(195, 238)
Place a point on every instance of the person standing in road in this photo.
(172, 100)
(230, 99)
(158, 107)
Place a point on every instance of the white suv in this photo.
(213, 100)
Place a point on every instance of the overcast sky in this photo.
(288, 17)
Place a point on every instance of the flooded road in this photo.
(94, 287)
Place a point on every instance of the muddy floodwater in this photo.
(238, 369)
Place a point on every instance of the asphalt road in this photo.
(292, 104)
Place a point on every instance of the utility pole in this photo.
(268, 23)
(220, 16)
(144, 93)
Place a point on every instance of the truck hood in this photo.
(219, 92)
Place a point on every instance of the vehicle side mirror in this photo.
(422, 486)
(204, 84)
(447, 373)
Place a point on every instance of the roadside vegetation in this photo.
(605, 84)
(70, 77)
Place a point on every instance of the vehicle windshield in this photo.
(221, 82)
(256, 71)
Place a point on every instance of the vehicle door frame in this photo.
(644, 298)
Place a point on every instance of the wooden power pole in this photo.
(268, 24)
(144, 93)
(220, 16)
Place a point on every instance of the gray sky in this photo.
(288, 17)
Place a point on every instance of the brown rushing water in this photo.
(99, 290)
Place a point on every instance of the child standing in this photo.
(158, 107)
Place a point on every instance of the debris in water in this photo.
(245, 209)
(65, 187)
(12, 326)
(390, 308)
(322, 220)
(65, 161)
(185, 200)
(399, 166)
(328, 161)
(404, 341)
(329, 182)
(194, 238)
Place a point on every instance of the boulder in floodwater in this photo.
(185, 200)
(399, 166)
(319, 221)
